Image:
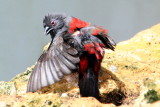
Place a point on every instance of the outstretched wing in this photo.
(59, 60)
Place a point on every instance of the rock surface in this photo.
(130, 77)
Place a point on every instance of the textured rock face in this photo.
(137, 62)
(130, 76)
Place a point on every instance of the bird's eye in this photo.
(53, 23)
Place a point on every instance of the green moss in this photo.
(151, 96)
(7, 88)
(34, 102)
(57, 105)
(149, 83)
(50, 104)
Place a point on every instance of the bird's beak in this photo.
(47, 30)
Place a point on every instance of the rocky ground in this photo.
(129, 77)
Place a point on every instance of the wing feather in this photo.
(39, 85)
(68, 63)
(57, 67)
(49, 73)
(59, 60)
(43, 76)
(100, 34)
(63, 67)
(71, 58)
(54, 74)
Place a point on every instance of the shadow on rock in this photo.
(112, 88)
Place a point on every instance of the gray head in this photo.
(53, 22)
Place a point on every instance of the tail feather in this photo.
(89, 85)
(88, 76)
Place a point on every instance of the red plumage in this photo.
(77, 23)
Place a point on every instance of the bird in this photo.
(76, 46)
